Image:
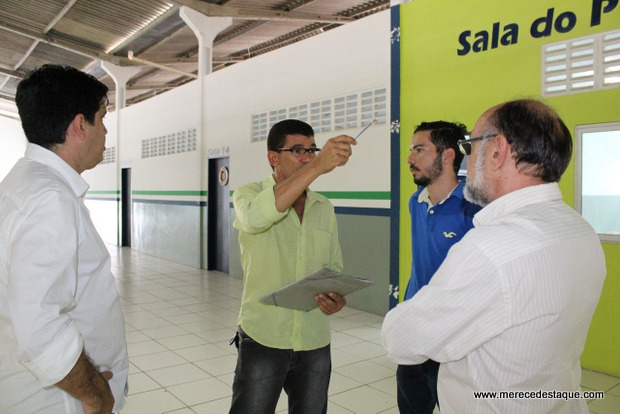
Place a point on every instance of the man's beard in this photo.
(476, 191)
(435, 171)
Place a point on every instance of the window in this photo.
(597, 187)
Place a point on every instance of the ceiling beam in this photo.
(11, 73)
(160, 66)
(246, 13)
(66, 45)
(7, 96)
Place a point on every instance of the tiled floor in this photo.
(179, 321)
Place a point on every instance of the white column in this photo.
(120, 75)
(205, 28)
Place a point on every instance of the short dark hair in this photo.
(279, 131)
(51, 96)
(537, 134)
(445, 135)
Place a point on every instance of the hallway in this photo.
(179, 321)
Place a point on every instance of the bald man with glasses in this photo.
(510, 307)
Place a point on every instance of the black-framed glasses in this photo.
(465, 144)
(300, 151)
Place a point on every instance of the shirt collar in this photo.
(44, 156)
(517, 200)
(457, 191)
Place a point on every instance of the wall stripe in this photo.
(189, 193)
(360, 211)
(356, 195)
(170, 202)
(342, 195)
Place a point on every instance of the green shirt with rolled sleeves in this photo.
(278, 249)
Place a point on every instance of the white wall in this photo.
(169, 113)
(13, 143)
(351, 58)
(103, 177)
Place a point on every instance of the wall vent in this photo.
(584, 64)
(175, 143)
(349, 111)
(109, 155)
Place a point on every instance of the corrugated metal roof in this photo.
(81, 33)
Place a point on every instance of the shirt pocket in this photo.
(319, 249)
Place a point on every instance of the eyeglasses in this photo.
(465, 144)
(300, 151)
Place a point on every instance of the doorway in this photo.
(126, 207)
(218, 213)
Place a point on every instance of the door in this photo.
(218, 208)
(126, 207)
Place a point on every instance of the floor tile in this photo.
(597, 381)
(198, 392)
(201, 352)
(181, 341)
(615, 390)
(365, 350)
(150, 346)
(340, 383)
(136, 336)
(177, 374)
(364, 400)
(157, 360)
(218, 366)
(182, 411)
(609, 405)
(366, 372)
(152, 402)
(140, 382)
(217, 406)
(341, 339)
(163, 332)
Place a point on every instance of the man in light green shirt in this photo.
(286, 232)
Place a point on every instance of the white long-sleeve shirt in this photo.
(57, 293)
(509, 308)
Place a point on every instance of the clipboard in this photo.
(300, 294)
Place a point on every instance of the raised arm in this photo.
(335, 153)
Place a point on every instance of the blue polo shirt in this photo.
(434, 230)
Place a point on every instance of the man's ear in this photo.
(447, 156)
(501, 151)
(77, 127)
(272, 157)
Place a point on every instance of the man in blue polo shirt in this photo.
(440, 217)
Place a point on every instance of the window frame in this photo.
(579, 131)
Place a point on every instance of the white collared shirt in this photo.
(57, 293)
(509, 308)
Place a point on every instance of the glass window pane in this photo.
(600, 189)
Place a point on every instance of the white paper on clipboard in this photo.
(300, 295)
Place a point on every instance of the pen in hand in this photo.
(365, 128)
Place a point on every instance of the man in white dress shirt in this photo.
(62, 333)
(509, 308)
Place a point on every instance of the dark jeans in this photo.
(263, 372)
(417, 387)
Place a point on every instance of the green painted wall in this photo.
(438, 83)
